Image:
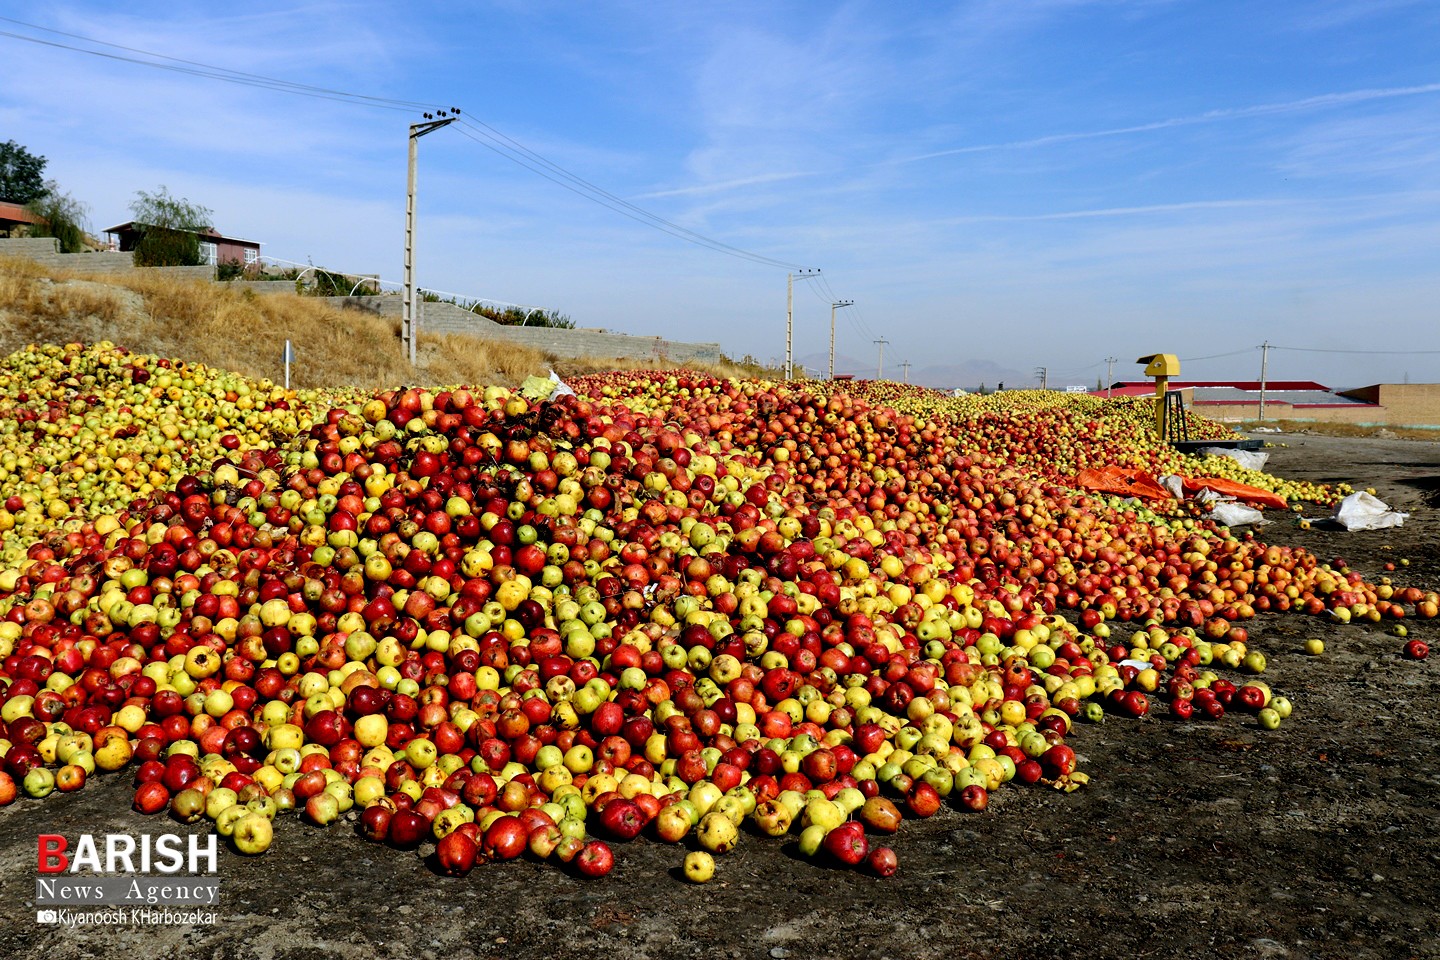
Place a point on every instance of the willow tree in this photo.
(170, 229)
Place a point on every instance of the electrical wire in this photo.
(480, 132)
(518, 153)
(1217, 356)
(205, 71)
(857, 320)
(1074, 374)
(854, 315)
(1375, 353)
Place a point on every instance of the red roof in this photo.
(1128, 390)
(1233, 384)
(209, 233)
(16, 213)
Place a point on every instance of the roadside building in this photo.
(215, 248)
(1236, 401)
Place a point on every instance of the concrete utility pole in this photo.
(880, 361)
(790, 317)
(1110, 374)
(833, 306)
(905, 364)
(409, 329)
(1264, 362)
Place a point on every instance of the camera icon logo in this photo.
(46, 916)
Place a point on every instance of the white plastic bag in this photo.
(562, 389)
(1249, 459)
(1205, 495)
(1361, 511)
(1174, 484)
(1229, 513)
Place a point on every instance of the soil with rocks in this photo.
(1193, 839)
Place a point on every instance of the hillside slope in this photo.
(237, 330)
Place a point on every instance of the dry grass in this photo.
(724, 369)
(455, 358)
(1343, 429)
(150, 312)
(243, 332)
(35, 307)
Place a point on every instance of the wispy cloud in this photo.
(1320, 102)
(701, 189)
(1383, 145)
(1153, 209)
(1343, 13)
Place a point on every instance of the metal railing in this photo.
(463, 301)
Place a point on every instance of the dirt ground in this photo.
(1198, 839)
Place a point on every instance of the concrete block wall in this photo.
(434, 317)
(1420, 408)
(587, 343)
(1407, 404)
(448, 318)
(46, 252)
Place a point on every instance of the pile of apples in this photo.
(669, 605)
(84, 430)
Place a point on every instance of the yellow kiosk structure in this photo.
(1170, 422)
(1161, 366)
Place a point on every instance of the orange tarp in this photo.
(1240, 491)
(1137, 483)
(1126, 483)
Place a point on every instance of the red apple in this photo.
(974, 798)
(623, 819)
(847, 843)
(455, 854)
(596, 859)
(882, 862)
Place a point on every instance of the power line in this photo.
(1072, 374)
(1217, 356)
(859, 315)
(852, 317)
(1387, 353)
(582, 188)
(858, 323)
(855, 317)
(481, 133)
(825, 286)
(514, 150)
(208, 71)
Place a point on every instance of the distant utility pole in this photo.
(790, 317)
(1040, 374)
(880, 363)
(1264, 363)
(906, 365)
(833, 306)
(1110, 374)
(409, 329)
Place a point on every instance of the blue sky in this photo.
(999, 185)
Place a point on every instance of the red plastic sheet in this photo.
(1240, 491)
(1137, 483)
(1126, 483)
